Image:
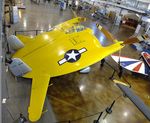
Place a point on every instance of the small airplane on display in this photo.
(134, 65)
(144, 44)
(67, 48)
(146, 57)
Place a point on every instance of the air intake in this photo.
(14, 42)
(18, 67)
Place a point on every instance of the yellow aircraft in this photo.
(68, 47)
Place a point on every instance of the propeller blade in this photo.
(136, 39)
(106, 33)
(120, 82)
(131, 40)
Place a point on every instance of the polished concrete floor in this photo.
(76, 95)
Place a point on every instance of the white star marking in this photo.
(72, 55)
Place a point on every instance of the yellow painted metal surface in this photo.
(56, 53)
(39, 88)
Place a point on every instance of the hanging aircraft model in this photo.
(67, 48)
(134, 65)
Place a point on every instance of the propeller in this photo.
(130, 40)
(113, 39)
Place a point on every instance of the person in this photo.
(21, 119)
(69, 3)
(8, 60)
(102, 63)
(66, 3)
(49, 1)
(120, 71)
(79, 9)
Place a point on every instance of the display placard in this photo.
(15, 14)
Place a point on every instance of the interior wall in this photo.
(143, 5)
(1, 16)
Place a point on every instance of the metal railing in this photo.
(30, 32)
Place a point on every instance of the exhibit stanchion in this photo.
(109, 109)
(97, 121)
(112, 76)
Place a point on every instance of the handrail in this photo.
(36, 31)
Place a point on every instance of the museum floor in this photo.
(76, 95)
